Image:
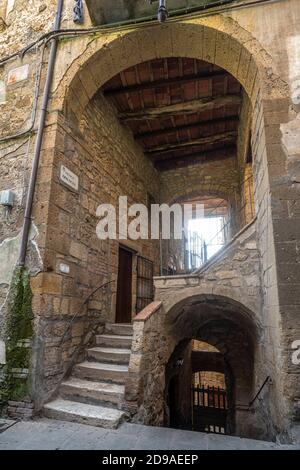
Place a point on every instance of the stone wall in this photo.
(177, 396)
(144, 388)
(21, 84)
(244, 162)
(220, 306)
(109, 164)
(220, 178)
(264, 59)
(211, 379)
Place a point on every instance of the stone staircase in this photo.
(93, 394)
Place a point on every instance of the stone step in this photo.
(125, 329)
(114, 341)
(88, 391)
(114, 355)
(101, 371)
(83, 413)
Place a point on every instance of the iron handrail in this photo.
(267, 380)
(84, 303)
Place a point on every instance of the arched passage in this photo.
(231, 329)
(219, 41)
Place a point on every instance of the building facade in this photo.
(203, 107)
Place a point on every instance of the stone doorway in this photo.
(209, 388)
(227, 357)
(199, 389)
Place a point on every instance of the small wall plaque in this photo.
(18, 74)
(64, 268)
(69, 178)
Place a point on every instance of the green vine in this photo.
(18, 328)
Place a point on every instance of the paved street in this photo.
(47, 434)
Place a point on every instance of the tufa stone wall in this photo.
(109, 164)
(221, 306)
(220, 178)
(265, 61)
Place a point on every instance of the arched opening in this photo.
(185, 127)
(209, 224)
(211, 385)
(213, 371)
(165, 130)
(115, 81)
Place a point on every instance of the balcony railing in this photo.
(193, 250)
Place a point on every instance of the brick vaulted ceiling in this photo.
(181, 111)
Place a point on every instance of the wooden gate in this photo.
(209, 409)
(144, 290)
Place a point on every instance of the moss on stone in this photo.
(18, 328)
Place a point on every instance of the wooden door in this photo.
(124, 289)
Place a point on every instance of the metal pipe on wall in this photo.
(39, 138)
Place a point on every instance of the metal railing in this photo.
(193, 251)
(83, 304)
(267, 380)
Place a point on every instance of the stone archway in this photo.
(231, 328)
(219, 40)
(228, 325)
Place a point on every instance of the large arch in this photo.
(229, 326)
(213, 190)
(218, 40)
(234, 330)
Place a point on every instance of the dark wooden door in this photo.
(124, 289)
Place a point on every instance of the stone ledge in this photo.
(184, 278)
(148, 311)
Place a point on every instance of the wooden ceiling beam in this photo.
(163, 83)
(231, 148)
(228, 141)
(185, 107)
(194, 159)
(194, 125)
(222, 139)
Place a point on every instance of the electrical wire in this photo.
(138, 22)
(134, 24)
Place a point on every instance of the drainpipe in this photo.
(39, 138)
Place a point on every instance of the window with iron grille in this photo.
(144, 291)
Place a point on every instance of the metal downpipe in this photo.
(39, 139)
